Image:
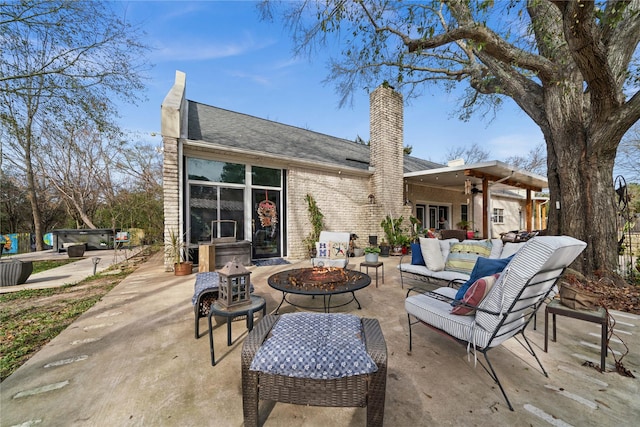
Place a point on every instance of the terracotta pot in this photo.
(183, 269)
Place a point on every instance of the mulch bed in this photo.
(613, 296)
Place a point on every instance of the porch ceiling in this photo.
(453, 177)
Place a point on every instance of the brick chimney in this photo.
(386, 155)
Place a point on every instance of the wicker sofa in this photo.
(412, 270)
(351, 391)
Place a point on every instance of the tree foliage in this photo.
(571, 66)
(63, 63)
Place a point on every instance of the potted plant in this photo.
(76, 250)
(416, 230)
(396, 236)
(371, 253)
(177, 250)
(384, 248)
(466, 225)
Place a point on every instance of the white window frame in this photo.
(498, 216)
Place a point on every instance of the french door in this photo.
(265, 224)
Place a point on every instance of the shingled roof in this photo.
(255, 135)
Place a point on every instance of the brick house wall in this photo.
(339, 198)
(342, 196)
(171, 119)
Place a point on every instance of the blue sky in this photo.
(235, 61)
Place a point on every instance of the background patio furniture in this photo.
(509, 305)
(256, 305)
(328, 259)
(453, 234)
(351, 391)
(205, 293)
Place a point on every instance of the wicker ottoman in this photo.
(353, 391)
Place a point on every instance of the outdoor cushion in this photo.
(483, 267)
(511, 248)
(316, 346)
(422, 270)
(431, 252)
(462, 256)
(322, 250)
(338, 250)
(496, 249)
(548, 253)
(416, 254)
(445, 246)
(438, 314)
(475, 294)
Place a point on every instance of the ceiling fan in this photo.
(470, 188)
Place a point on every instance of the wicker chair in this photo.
(453, 234)
(354, 391)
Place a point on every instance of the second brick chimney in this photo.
(386, 155)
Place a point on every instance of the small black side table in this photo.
(594, 316)
(257, 303)
(373, 265)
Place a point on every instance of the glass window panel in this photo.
(214, 171)
(203, 208)
(464, 213)
(265, 176)
(232, 207)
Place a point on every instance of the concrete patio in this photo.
(132, 360)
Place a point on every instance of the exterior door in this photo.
(265, 224)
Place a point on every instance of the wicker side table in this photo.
(354, 391)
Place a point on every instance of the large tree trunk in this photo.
(580, 179)
(32, 195)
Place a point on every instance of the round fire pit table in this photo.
(319, 281)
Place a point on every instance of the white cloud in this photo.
(202, 50)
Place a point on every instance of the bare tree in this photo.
(77, 160)
(472, 154)
(571, 66)
(535, 161)
(61, 57)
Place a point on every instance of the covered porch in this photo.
(478, 184)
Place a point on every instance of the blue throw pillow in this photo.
(416, 254)
(483, 267)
